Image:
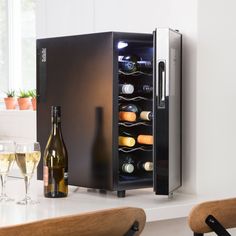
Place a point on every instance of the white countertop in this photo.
(81, 200)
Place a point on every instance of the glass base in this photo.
(5, 198)
(27, 201)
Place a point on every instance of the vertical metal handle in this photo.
(161, 84)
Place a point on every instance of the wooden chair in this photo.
(213, 216)
(113, 222)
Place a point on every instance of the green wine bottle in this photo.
(55, 170)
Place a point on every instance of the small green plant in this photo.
(32, 93)
(10, 93)
(24, 94)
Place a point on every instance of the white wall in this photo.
(216, 96)
(18, 125)
(61, 17)
(64, 17)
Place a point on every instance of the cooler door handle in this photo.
(161, 84)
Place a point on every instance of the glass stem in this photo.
(27, 184)
(3, 181)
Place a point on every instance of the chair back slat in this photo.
(223, 210)
(115, 222)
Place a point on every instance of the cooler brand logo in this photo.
(44, 54)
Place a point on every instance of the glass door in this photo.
(167, 111)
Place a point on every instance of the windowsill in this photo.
(3, 107)
(3, 110)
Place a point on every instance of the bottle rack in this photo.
(139, 152)
(140, 148)
(132, 124)
(136, 73)
(134, 99)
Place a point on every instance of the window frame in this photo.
(14, 46)
(15, 82)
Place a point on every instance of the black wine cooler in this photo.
(120, 96)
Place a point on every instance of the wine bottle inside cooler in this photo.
(146, 115)
(130, 140)
(127, 164)
(144, 89)
(132, 112)
(128, 112)
(145, 166)
(134, 63)
(126, 140)
(140, 90)
(126, 88)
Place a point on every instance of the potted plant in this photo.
(33, 95)
(24, 100)
(10, 100)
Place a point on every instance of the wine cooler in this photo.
(120, 95)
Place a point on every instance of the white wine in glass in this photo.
(27, 158)
(7, 158)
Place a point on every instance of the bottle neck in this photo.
(56, 126)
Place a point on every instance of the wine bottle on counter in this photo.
(55, 170)
(127, 165)
(146, 166)
(126, 88)
(133, 63)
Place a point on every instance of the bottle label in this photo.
(45, 175)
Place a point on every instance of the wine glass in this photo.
(7, 157)
(27, 159)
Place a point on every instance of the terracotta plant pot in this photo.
(10, 103)
(24, 103)
(34, 103)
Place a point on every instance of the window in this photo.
(3, 46)
(17, 45)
